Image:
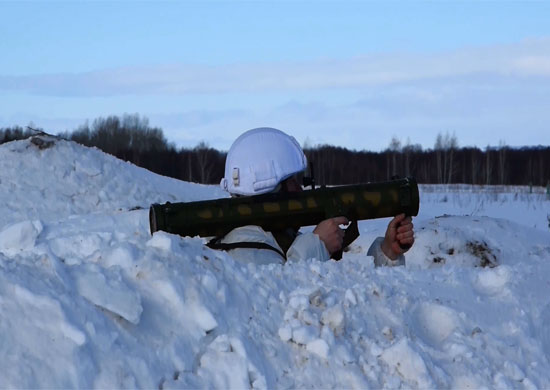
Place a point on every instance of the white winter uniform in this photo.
(305, 246)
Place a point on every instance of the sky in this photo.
(347, 73)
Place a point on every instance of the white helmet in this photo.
(260, 159)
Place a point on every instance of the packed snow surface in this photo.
(89, 299)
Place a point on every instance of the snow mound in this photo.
(473, 241)
(18, 236)
(50, 179)
(89, 299)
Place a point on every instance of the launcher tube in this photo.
(278, 211)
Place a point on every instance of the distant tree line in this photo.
(469, 165)
(131, 138)
(8, 134)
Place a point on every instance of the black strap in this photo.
(216, 244)
(350, 234)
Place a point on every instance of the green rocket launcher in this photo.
(279, 211)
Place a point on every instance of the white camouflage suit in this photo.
(305, 246)
(257, 162)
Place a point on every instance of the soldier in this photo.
(267, 160)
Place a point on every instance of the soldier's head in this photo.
(263, 160)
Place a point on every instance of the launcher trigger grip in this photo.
(350, 234)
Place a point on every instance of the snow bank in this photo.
(63, 179)
(89, 299)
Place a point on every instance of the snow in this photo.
(89, 299)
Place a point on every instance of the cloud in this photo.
(484, 94)
(481, 110)
(525, 59)
(535, 65)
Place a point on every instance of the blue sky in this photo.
(353, 74)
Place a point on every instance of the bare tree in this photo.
(488, 167)
(438, 147)
(451, 145)
(502, 162)
(203, 163)
(474, 165)
(542, 167)
(395, 149)
(445, 147)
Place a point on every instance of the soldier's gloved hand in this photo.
(399, 236)
(330, 233)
